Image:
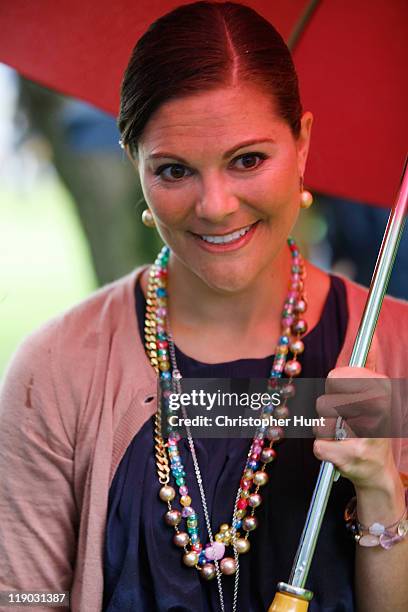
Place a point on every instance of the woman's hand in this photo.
(364, 398)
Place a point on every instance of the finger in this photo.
(375, 402)
(342, 453)
(353, 380)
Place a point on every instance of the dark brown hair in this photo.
(203, 46)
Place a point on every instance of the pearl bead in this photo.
(208, 571)
(167, 493)
(228, 566)
(181, 539)
(281, 412)
(242, 545)
(249, 523)
(306, 199)
(190, 559)
(260, 478)
(185, 500)
(274, 433)
(301, 306)
(297, 346)
(254, 500)
(287, 391)
(293, 368)
(173, 517)
(300, 327)
(268, 455)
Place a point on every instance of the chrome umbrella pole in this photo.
(295, 588)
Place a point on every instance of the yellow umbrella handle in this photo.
(290, 598)
(283, 602)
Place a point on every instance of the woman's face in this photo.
(220, 172)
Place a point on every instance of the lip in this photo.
(230, 246)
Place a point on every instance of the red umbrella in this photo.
(350, 58)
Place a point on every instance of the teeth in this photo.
(227, 238)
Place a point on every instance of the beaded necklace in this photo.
(212, 561)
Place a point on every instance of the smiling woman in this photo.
(100, 494)
(205, 187)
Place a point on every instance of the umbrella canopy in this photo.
(350, 58)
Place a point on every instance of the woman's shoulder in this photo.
(72, 335)
(391, 331)
(392, 308)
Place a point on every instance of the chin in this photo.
(228, 279)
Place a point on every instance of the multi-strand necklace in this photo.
(213, 559)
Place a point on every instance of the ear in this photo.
(303, 141)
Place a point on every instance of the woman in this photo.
(211, 119)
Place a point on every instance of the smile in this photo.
(225, 238)
(220, 243)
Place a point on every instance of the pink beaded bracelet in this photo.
(376, 534)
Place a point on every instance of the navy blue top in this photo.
(143, 570)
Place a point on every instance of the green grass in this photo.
(45, 264)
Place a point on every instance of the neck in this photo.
(195, 305)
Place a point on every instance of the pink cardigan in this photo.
(75, 394)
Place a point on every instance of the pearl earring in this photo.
(147, 218)
(306, 198)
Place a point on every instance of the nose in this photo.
(216, 200)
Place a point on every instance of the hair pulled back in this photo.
(204, 46)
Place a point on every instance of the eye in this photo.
(248, 161)
(172, 172)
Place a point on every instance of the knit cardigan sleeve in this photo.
(38, 524)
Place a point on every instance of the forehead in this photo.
(222, 116)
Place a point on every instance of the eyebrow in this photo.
(246, 143)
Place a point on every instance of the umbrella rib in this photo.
(301, 24)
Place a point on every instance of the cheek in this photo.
(167, 204)
(276, 193)
(172, 208)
